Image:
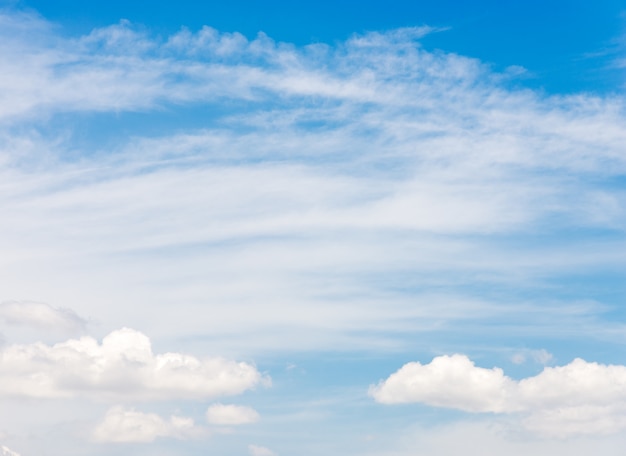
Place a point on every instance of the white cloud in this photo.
(123, 425)
(231, 415)
(448, 381)
(374, 158)
(541, 356)
(7, 451)
(40, 315)
(123, 366)
(375, 169)
(578, 398)
(256, 450)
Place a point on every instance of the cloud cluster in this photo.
(578, 398)
(122, 366)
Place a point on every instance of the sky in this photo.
(276, 228)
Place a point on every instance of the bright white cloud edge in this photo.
(122, 366)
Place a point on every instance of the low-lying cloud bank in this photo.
(127, 425)
(578, 398)
(122, 366)
(124, 425)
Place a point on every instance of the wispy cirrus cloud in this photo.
(236, 195)
(321, 167)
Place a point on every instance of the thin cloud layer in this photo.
(122, 366)
(257, 450)
(578, 398)
(231, 415)
(41, 316)
(371, 158)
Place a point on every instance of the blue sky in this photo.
(269, 229)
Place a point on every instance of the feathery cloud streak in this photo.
(372, 158)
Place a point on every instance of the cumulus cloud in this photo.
(448, 381)
(124, 425)
(40, 315)
(578, 398)
(230, 415)
(122, 366)
(256, 450)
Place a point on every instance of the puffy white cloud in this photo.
(123, 425)
(256, 450)
(578, 398)
(123, 365)
(579, 383)
(448, 381)
(40, 315)
(231, 414)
